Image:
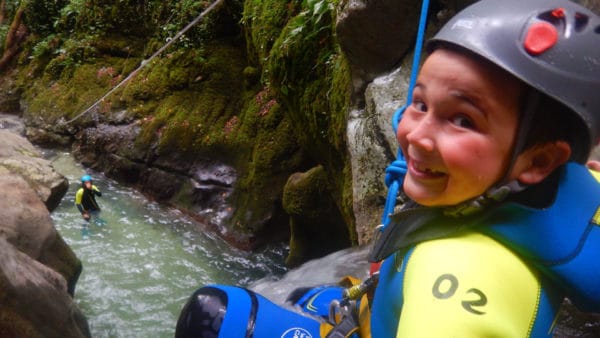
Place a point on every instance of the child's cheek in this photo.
(401, 136)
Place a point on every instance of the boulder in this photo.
(375, 35)
(19, 156)
(307, 198)
(34, 301)
(26, 224)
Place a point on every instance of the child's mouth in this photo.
(425, 172)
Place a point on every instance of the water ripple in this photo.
(141, 266)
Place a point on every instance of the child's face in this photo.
(88, 184)
(458, 132)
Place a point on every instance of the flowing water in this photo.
(143, 262)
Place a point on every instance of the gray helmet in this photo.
(552, 45)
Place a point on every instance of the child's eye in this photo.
(420, 106)
(462, 121)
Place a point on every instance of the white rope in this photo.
(147, 61)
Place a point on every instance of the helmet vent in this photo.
(558, 13)
(581, 21)
(556, 17)
(559, 18)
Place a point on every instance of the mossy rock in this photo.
(315, 220)
(312, 78)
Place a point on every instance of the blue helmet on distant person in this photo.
(86, 178)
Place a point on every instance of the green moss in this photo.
(199, 109)
(64, 77)
(251, 75)
(310, 75)
(3, 31)
(273, 156)
(55, 67)
(302, 194)
(66, 97)
(317, 227)
(305, 67)
(264, 20)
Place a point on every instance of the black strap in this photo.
(346, 327)
(410, 227)
(348, 323)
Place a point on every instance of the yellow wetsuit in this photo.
(504, 275)
(85, 199)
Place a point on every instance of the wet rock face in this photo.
(30, 188)
(212, 185)
(26, 222)
(214, 173)
(198, 185)
(9, 94)
(376, 34)
(92, 145)
(373, 146)
(572, 322)
(49, 139)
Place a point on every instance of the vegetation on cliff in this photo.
(259, 85)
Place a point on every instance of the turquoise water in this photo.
(145, 261)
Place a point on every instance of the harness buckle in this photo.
(348, 323)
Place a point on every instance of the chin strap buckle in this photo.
(492, 196)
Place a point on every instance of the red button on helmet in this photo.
(540, 37)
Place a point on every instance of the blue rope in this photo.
(395, 172)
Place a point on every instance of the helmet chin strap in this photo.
(505, 186)
(492, 196)
(531, 105)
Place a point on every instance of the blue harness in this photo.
(563, 240)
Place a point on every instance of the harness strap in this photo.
(345, 328)
(346, 316)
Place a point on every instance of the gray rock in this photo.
(372, 146)
(34, 301)
(19, 156)
(25, 221)
(375, 35)
(38, 270)
(11, 123)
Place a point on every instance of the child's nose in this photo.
(422, 134)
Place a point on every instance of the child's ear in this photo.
(537, 163)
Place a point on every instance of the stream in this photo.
(141, 265)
